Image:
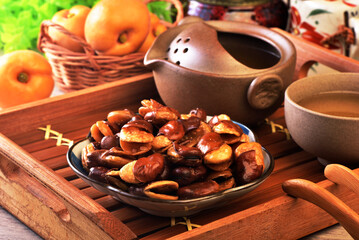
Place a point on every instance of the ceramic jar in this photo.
(333, 24)
(269, 13)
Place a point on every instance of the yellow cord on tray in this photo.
(278, 128)
(186, 222)
(61, 141)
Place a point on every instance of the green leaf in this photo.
(162, 9)
(317, 11)
(20, 20)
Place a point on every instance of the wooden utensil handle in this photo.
(309, 53)
(343, 175)
(319, 196)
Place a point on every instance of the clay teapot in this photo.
(238, 69)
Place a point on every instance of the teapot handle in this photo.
(309, 53)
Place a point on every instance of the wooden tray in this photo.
(38, 187)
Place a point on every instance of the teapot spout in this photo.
(154, 63)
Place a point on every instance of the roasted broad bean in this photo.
(187, 175)
(94, 158)
(100, 129)
(159, 153)
(148, 106)
(108, 142)
(249, 162)
(198, 189)
(191, 123)
(164, 189)
(161, 115)
(115, 158)
(173, 130)
(228, 130)
(224, 179)
(200, 113)
(147, 169)
(187, 156)
(118, 118)
(209, 142)
(127, 175)
(98, 173)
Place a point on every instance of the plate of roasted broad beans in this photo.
(170, 164)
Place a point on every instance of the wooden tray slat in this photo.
(148, 224)
(127, 214)
(108, 202)
(79, 183)
(93, 193)
(56, 163)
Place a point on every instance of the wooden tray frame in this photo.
(42, 197)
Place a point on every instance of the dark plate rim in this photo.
(115, 190)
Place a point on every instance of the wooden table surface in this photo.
(12, 228)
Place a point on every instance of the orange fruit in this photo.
(117, 27)
(73, 20)
(25, 76)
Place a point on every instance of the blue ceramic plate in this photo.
(169, 208)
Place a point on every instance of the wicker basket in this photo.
(75, 70)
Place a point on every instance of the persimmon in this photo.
(73, 20)
(25, 76)
(117, 27)
(156, 29)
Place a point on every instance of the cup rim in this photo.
(289, 100)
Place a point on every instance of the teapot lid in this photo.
(221, 48)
